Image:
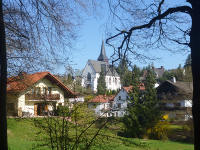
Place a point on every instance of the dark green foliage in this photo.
(101, 87)
(124, 73)
(150, 100)
(142, 112)
(166, 76)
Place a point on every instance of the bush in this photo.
(159, 131)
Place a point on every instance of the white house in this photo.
(107, 106)
(102, 105)
(92, 70)
(121, 101)
(35, 94)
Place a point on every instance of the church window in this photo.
(110, 80)
(116, 81)
(89, 77)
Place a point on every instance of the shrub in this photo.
(159, 131)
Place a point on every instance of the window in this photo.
(119, 105)
(37, 90)
(116, 81)
(49, 90)
(45, 90)
(89, 77)
(119, 97)
(110, 80)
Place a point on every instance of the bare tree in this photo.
(37, 33)
(160, 24)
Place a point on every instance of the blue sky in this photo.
(88, 45)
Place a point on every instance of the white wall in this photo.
(28, 106)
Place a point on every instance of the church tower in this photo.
(102, 56)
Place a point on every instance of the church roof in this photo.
(102, 56)
(97, 66)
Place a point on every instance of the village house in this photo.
(92, 70)
(115, 105)
(176, 99)
(102, 105)
(35, 94)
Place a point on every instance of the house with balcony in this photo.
(35, 94)
(176, 99)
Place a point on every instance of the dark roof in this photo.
(102, 56)
(97, 66)
(175, 91)
(24, 81)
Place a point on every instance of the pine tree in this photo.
(132, 120)
(142, 112)
(150, 100)
(101, 86)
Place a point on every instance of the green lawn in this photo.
(21, 135)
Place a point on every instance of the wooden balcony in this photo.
(42, 97)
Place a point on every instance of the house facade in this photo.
(102, 105)
(176, 99)
(112, 106)
(92, 70)
(35, 94)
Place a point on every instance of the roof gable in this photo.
(177, 91)
(23, 82)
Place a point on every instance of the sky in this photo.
(88, 46)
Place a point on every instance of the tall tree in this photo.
(3, 81)
(101, 84)
(134, 117)
(161, 23)
(37, 34)
(150, 99)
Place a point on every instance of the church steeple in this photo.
(102, 56)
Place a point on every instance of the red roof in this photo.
(129, 88)
(24, 81)
(102, 99)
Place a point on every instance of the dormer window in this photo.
(119, 97)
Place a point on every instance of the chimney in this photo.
(161, 67)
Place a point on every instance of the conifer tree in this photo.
(101, 86)
(132, 120)
(150, 100)
(142, 112)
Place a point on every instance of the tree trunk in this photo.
(3, 80)
(195, 55)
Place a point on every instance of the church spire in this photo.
(102, 56)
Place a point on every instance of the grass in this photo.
(22, 133)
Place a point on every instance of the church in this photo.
(92, 70)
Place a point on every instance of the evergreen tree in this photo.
(101, 86)
(142, 112)
(132, 120)
(150, 100)
(124, 73)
